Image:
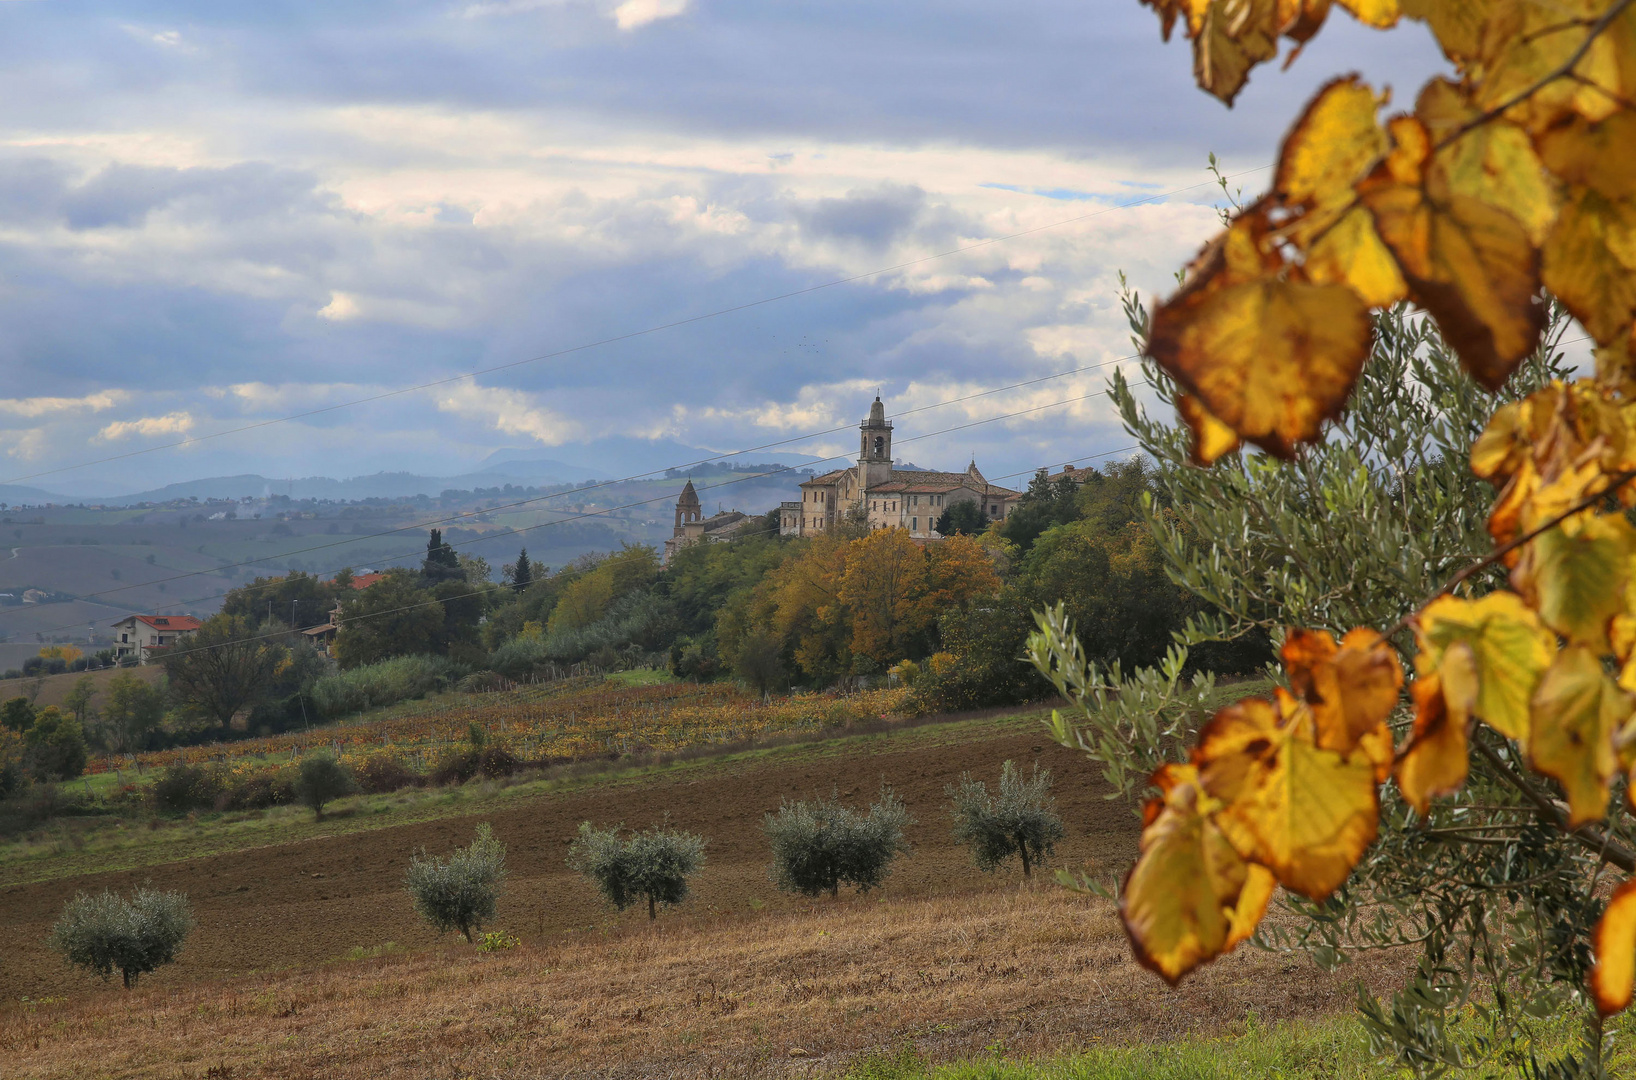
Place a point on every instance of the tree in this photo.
(758, 664)
(78, 699)
(107, 933)
(295, 600)
(885, 577)
(441, 562)
(522, 573)
(460, 893)
(821, 845)
(962, 518)
(54, 746)
(321, 780)
(17, 714)
(653, 865)
(224, 667)
(1020, 821)
(393, 617)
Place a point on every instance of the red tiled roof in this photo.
(364, 581)
(165, 622)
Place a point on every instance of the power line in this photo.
(708, 487)
(579, 490)
(629, 336)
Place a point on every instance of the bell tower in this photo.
(874, 448)
(687, 507)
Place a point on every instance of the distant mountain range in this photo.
(609, 458)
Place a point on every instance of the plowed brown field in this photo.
(741, 978)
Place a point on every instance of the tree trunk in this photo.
(125, 973)
(652, 912)
(467, 931)
(835, 889)
(1022, 846)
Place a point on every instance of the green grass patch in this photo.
(642, 677)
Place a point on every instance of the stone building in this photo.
(692, 526)
(894, 498)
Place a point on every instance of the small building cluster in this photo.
(145, 636)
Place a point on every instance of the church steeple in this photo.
(687, 507)
(874, 447)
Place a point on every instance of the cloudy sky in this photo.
(217, 214)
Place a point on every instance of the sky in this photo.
(216, 215)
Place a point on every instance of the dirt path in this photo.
(302, 903)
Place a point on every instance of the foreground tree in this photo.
(1489, 846)
(821, 845)
(1021, 820)
(54, 746)
(653, 865)
(106, 933)
(462, 891)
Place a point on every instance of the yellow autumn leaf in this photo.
(1211, 438)
(1191, 12)
(1524, 42)
(1574, 575)
(1457, 24)
(1379, 14)
(1350, 252)
(1589, 262)
(1190, 897)
(1494, 162)
(1599, 156)
(1351, 688)
(1305, 813)
(1614, 943)
(1270, 358)
(1469, 263)
(1330, 147)
(1436, 758)
(1510, 648)
(1504, 444)
(1233, 37)
(1575, 712)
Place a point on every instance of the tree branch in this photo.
(1603, 844)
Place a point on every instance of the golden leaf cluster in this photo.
(1515, 179)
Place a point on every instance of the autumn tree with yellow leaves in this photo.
(1482, 810)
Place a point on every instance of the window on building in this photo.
(914, 524)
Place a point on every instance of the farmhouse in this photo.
(142, 636)
(894, 498)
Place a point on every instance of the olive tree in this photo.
(106, 933)
(460, 892)
(653, 865)
(1021, 820)
(819, 846)
(321, 780)
(1497, 899)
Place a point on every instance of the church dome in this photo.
(877, 412)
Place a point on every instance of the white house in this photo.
(142, 636)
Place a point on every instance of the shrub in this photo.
(1021, 821)
(459, 766)
(258, 791)
(519, 657)
(388, 682)
(320, 780)
(17, 714)
(383, 772)
(181, 788)
(460, 893)
(55, 745)
(821, 845)
(653, 865)
(106, 933)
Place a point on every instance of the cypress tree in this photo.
(442, 564)
(523, 575)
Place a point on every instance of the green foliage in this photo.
(980, 664)
(132, 710)
(1020, 821)
(54, 746)
(78, 699)
(963, 517)
(17, 714)
(653, 865)
(107, 933)
(321, 780)
(589, 598)
(296, 599)
(821, 845)
(461, 892)
(759, 665)
(181, 788)
(521, 573)
(396, 616)
(225, 666)
(385, 682)
(441, 563)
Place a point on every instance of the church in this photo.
(894, 498)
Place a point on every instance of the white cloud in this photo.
(512, 412)
(41, 406)
(341, 307)
(634, 13)
(174, 423)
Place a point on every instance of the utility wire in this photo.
(631, 335)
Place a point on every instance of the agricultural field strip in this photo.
(385, 811)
